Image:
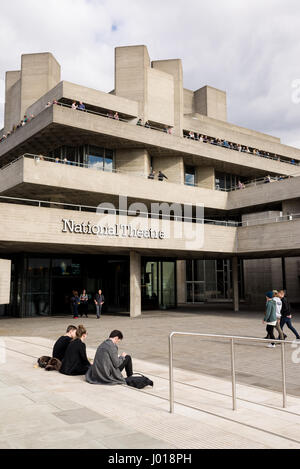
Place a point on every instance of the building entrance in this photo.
(158, 284)
(43, 286)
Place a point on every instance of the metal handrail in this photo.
(280, 158)
(232, 354)
(173, 217)
(118, 171)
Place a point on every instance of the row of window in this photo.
(103, 159)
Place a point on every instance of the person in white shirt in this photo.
(277, 299)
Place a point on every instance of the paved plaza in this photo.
(50, 410)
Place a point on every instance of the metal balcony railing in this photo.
(232, 340)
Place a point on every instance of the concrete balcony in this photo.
(69, 127)
(28, 177)
(270, 239)
(38, 179)
(264, 194)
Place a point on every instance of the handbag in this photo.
(139, 381)
(43, 361)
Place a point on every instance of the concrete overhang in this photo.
(95, 100)
(40, 229)
(56, 126)
(35, 229)
(264, 194)
(43, 180)
(40, 180)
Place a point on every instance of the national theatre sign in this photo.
(121, 230)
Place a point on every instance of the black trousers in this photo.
(127, 364)
(270, 331)
(83, 308)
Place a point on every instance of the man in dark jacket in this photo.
(161, 176)
(286, 316)
(62, 343)
(107, 365)
(99, 300)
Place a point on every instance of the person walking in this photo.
(277, 299)
(99, 301)
(84, 303)
(286, 316)
(270, 317)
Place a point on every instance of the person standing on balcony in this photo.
(151, 174)
(161, 176)
(81, 106)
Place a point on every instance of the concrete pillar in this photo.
(131, 71)
(181, 282)
(171, 166)
(39, 74)
(235, 284)
(211, 102)
(174, 68)
(136, 161)
(12, 110)
(5, 281)
(205, 177)
(135, 285)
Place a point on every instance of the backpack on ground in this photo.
(43, 361)
(49, 363)
(53, 364)
(138, 381)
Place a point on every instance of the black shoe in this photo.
(284, 336)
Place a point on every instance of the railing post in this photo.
(171, 385)
(283, 375)
(233, 375)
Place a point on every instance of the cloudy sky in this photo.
(249, 48)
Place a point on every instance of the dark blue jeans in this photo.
(288, 322)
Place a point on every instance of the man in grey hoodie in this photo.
(107, 365)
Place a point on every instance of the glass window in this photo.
(37, 287)
(61, 267)
(189, 175)
(198, 270)
(189, 270)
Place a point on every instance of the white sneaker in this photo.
(271, 345)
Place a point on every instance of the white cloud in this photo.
(248, 48)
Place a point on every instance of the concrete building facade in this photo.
(83, 205)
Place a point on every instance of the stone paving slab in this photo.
(87, 416)
(146, 337)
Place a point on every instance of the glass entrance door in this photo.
(158, 284)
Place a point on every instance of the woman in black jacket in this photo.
(75, 361)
